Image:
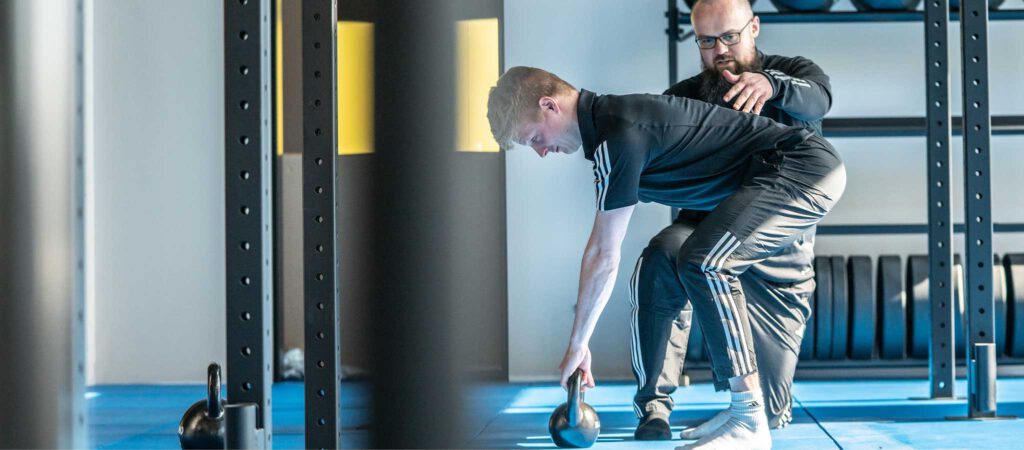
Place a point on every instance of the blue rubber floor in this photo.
(827, 414)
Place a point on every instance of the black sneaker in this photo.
(653, 429)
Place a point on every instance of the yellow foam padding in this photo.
(355, 88)
(477, 70)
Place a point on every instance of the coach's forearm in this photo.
(597, 278)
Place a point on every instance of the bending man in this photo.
(765, 184)
(792, 91)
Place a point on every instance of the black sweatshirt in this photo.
(802, 93)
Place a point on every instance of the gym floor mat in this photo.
(827, 414)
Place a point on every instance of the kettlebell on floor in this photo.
(202, 426)
(574, 424)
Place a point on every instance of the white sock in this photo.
(746, 426)
(708, 426)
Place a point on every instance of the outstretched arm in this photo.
(597, 277)
(802, 89)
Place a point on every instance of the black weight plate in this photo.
(892, 308)
(840, 308)
(1014, 265)
(959, 330)
(807, 342)
(862, 307)
(823, 307)
(918, 322)
(999, 297)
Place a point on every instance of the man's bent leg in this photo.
(657, 298)
(778, 312)
(767, 213)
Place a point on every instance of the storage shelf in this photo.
(878, 228)
(857, 16)
(907, 126)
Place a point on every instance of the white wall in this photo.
(158, 313)
(614, 46)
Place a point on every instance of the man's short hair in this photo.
(515, 100)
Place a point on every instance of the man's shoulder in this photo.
(780, 62)
(688, 88)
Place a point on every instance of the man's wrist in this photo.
(577, 343)
(771, 82)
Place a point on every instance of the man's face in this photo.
(715, 19)
(554, 133)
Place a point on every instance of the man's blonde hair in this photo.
(515, 100)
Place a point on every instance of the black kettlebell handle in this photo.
(213, 407)
(575, 397)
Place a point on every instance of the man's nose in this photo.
(720, 48)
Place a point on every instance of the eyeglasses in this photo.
(730, 39)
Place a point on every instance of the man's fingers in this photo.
(735, 89)
(566, 374)
(752, 100)
(729, 76)
(759, 106)
(741, 100)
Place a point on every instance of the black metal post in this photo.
(240, 427)
(977, 198)
(248, 214)
(673, 58)
(411, 302)
(673, 41)
(941, 358)
(320, 234)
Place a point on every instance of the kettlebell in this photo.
(202, 426)
(574, 424)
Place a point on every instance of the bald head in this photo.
(715, 18)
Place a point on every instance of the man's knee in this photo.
(691, 267)
(661, 252)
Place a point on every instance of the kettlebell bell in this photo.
(202, 426)
(574, 424)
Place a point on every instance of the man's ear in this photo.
(548, 104)
(755, 27)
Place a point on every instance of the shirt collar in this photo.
(585, 117)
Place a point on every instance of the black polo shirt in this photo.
(670, 150)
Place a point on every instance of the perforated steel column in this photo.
(977, 198)
(320, 235)
(941, 362)
(249, 209)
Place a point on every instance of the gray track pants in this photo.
(773, 293)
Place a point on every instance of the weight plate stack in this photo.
(862, 307)
(823, 307)
(999, 296)
(807, 343)
(891, 308)
(840, 308)
(959, 330)
(917, 302)
(1014, 266)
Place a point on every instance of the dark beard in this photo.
(713, 85)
